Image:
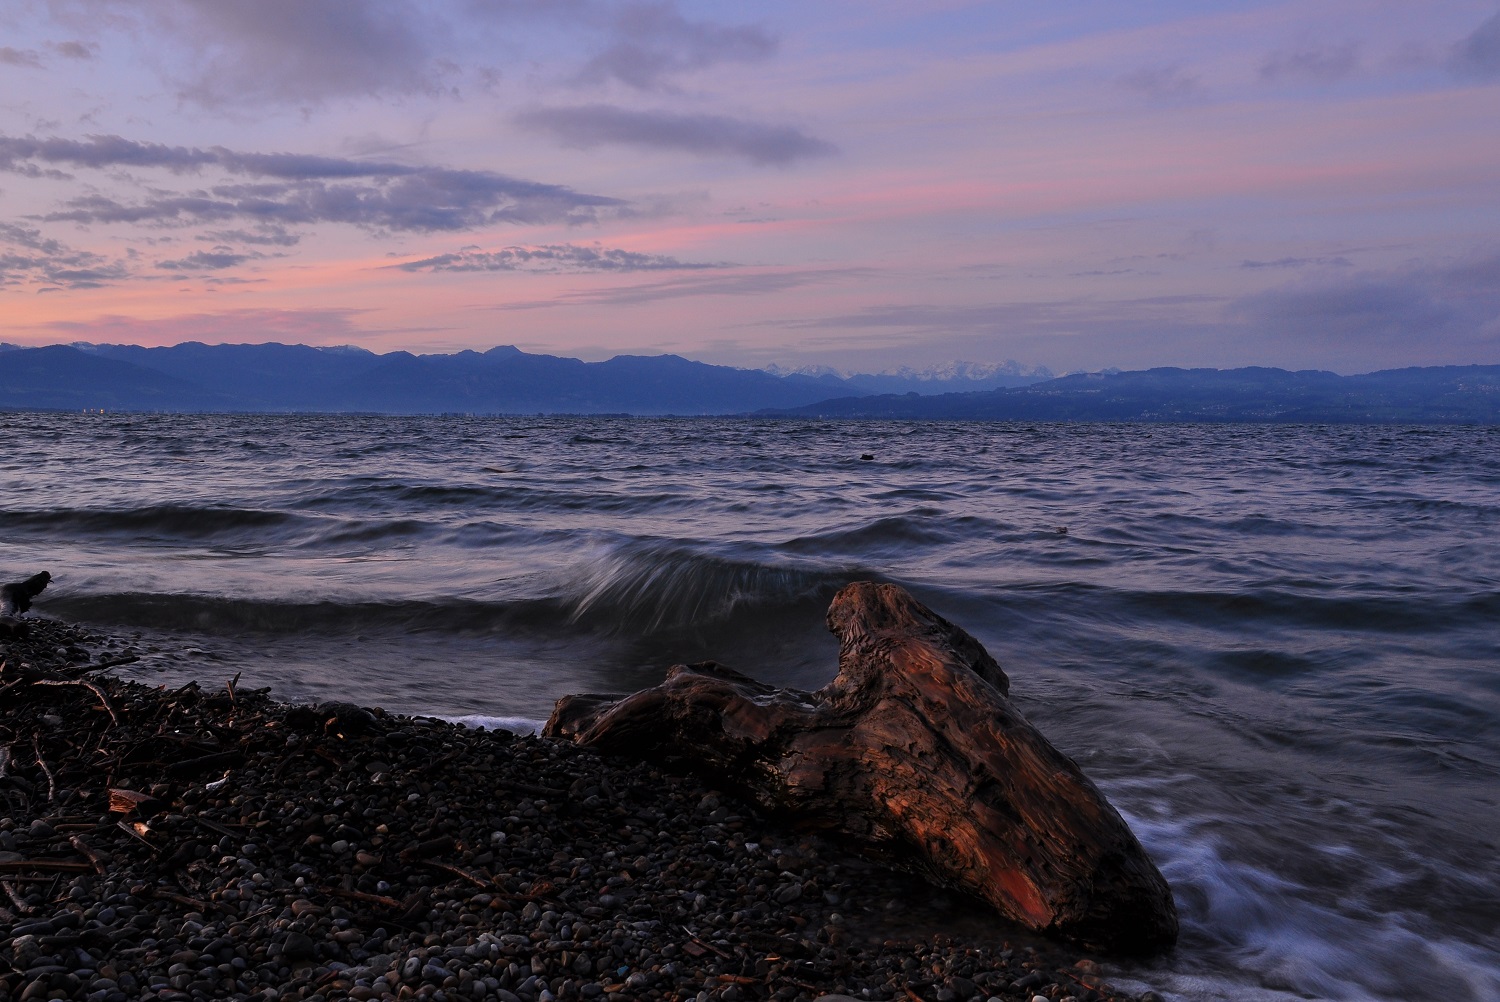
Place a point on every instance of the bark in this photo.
(915, 753)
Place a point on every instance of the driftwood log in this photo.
(915, 753)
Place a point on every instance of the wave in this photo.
(1416, 612)
(919, 527)
(180, 520)
(215, 615)
(1245, 925)
(652, 585)
(381, 497)
(636, 587)
(519, 725)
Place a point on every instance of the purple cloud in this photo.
(1478, 55)
(588, 126)
(654, 40)
(24, 58)
(1315, 65)
(300, 190)
(1457, 304)
(38, 260)
(75, 50)
(215, 260)
(294, 51)
(1300, 262)
(552, 258)
(1162, 83)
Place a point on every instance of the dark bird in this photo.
(16, 598)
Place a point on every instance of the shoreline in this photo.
(261, 850)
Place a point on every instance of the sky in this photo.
(1077, 185)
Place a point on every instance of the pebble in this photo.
(348, 853)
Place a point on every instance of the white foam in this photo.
(519, 725)
(1251, 934)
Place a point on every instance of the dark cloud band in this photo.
(587, 126)
(570, 258)
(298, 189)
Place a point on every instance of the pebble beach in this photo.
(209, 842)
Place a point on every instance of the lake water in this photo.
(1277, 649)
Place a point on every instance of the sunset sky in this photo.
(1310, 184)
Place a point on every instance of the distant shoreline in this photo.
(277, 378)
(788, 417)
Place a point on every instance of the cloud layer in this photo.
(1478, 55)
(588, 126)
(1248, 182)
(28, 258)
(301, 190)
(552, 258)
(654, 41)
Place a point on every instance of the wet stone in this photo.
(519, 892)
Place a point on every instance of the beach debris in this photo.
(913, 753)
(421, 857)
(122, 801)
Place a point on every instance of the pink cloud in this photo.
(325, 326)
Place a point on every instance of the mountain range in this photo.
(280, 377)
(1433, 395)
(505, 380)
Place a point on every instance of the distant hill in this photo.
(279, 377)
(60, 377)
(1443, 394)
(952, 377)
(506, 380)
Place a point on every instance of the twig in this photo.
(328, 756)
(214, 826)
(416, 902)
(181, 899)
(457, 872)
(371, 899)
(707, 946)
(16, 899)
(128, 829)
(433, 846)
(46, 770)
(87, 685)
(43, 866)
(88, 853)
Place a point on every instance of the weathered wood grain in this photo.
(915, 753)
